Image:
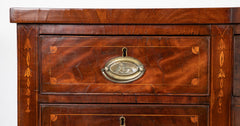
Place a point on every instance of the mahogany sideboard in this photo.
(128, 67)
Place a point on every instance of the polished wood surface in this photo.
(191, 58)
(236, 29)
(123, 16)
(235, 15)
(64, 98)
(74, 67)
(236, 76)
(125, 29)
(27, 75)
(236, 115)
(135, 115)
(221, 77)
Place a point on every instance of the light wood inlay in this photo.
(28, 71)
(53, 49)
(221, 75)
(195, 49)
(194, 119)
(53, 117)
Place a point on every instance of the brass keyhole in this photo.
(124, 51)
(122, 121)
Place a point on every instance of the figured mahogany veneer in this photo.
(123, 16)
(191, 57)
(174, 65)
(64, 29)
(108, 115)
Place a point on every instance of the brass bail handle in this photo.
(123, 69)
(122, 121)
(124, 51)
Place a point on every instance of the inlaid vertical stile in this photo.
(221, 76)
(28, 71)
(27, 75)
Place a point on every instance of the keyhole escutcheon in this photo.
(124, 51)
(122, 121)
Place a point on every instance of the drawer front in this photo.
(173, 65)
(236, 115)
(123, 115)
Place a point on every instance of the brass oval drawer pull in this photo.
(123, 69)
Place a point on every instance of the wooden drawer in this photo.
(135, 115)
(236, 115)
(174, 65)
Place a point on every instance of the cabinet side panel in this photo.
(27, 75)
(221, 75)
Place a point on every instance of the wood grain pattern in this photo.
(188, 53)
(236, 100)
(236, 77)
(125, 29)
(221, 58)
(135, 115)
(236, 29)
(27, 75)
(187, 100)
(235, 115)
(236, 74)
(235, 15)
(170, 64)
(122, 16)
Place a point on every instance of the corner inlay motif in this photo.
(53, 117)
(195, 49)
(194, 119)
(53, 49)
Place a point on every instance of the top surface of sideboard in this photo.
(127, 16)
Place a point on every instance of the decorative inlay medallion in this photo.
(53, 49)
(195, 49)
(53, 80)
(194, 119)
(194, 81)
(53, 117)
(221, 59)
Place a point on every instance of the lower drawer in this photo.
(123, 115)
(236, 115)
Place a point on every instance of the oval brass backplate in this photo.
(123, 69)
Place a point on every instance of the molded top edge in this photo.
(125, 16)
